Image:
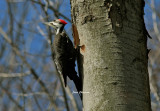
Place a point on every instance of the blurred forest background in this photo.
(28, 79)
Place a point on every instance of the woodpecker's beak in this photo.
(46, 23)
(49, 24)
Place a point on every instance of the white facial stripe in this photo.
(54, 23)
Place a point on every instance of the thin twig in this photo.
(155, 26)
(11, 98)
(10, 75)
(52, 8)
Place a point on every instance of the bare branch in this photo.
(155, 26)
(29, 94)
(10, 75)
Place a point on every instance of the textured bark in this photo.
(115, 56)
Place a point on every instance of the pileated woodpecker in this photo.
(64, 54)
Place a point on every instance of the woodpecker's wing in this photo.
(64, 56)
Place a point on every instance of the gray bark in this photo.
(115, 57)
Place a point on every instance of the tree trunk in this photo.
(115, 56)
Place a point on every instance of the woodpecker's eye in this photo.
(51, 23)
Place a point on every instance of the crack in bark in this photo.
(88, 18)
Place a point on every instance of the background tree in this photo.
(28, 80)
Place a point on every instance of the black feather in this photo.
(64, 55)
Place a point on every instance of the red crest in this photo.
(62, 21)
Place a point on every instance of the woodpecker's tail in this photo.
(78, 83)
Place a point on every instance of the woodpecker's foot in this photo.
(82, 47)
